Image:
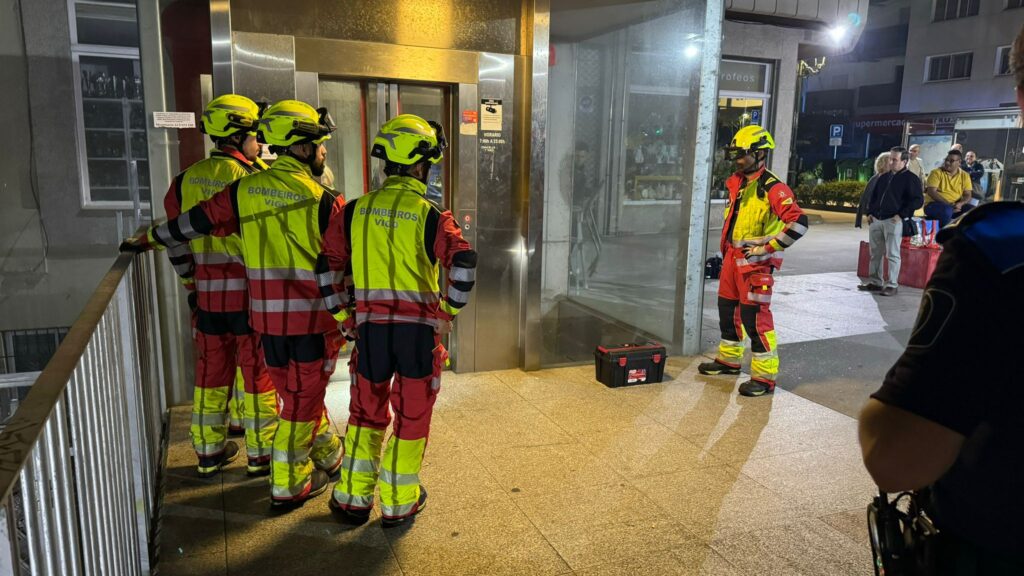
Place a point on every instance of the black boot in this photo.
(393, 522)
(714, 368)
(210, 465)
(756, 388)
(348, 516)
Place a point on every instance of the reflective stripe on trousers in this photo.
(209, 429)
(765, 365)
(359, 467)
(298, 446)
(399, 477)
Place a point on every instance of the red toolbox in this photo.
(629, 364)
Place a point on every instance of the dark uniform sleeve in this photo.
(957, 354)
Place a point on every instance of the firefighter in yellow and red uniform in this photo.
(394, 241)
(762, 219)
(281, 214)
(212, 268)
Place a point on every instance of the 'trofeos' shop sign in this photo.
(736, 76)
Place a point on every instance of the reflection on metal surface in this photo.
(220, 45)
(531, 337)
(264, 66)
(499, 223)
(307, 88)
(474, 25)
(348, 59)
(690, 305)
(464, 200)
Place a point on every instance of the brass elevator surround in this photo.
(352, 59)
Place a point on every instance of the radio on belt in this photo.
(629, 364)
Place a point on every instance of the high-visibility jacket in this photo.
(761, 212)
(215, 264)
(280, 215)
(394, 241)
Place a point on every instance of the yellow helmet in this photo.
(229, 114)
(292, 122)
(408, 139)
(748, 139)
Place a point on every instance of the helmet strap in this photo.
(760, 156)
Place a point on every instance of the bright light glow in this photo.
(837, 33)
(691, 51)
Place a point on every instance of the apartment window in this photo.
(1002, 61)
(949, 67)
(111, 115)
(952, 9)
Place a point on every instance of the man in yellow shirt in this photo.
(947, 190)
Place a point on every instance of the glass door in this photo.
(360, 108)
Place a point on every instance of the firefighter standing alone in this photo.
(762, 220)
(394, 240)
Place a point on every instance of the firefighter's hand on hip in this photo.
(754, 250)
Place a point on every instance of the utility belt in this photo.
(906, 542)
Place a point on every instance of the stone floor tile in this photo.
(492, 539)
(806, 546)
(628, 538)
(647, 450)
(471, 392)
(210, 564)
(813, 476)
(456, 479)
(537, 470)
(691, 559)
(852, 523)
(515, 425)
(187, 531)
(259, 541)
(582, 510)
(717, 501)
(544, 384)
(582, 416)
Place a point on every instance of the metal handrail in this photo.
(79, 459)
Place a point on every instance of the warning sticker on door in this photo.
(490, 115)
(174, 120)
(637, 375)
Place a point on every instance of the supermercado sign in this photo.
(737, 76)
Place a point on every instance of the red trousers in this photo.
(744, 295)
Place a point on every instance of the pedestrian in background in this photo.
(894, 198)
(948, 189)
(915, 165)
(976, 171)
(881, 167)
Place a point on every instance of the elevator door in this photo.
(360, 108)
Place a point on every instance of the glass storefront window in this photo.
(623, 99)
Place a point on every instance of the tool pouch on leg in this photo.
(759, 287)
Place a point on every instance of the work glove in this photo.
(137, 244)
(755, 250)
(348, 328)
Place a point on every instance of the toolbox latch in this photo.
(622, 361)
(657, 358)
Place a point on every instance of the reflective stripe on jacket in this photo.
(394, 242)
(282, 213)
(219, 271)
(761, 212)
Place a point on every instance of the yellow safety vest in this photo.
(394, 277)
(756, 221)
(200, 182)
(279, 213)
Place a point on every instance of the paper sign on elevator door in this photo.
(490, 115)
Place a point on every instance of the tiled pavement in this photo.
(550, 472)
